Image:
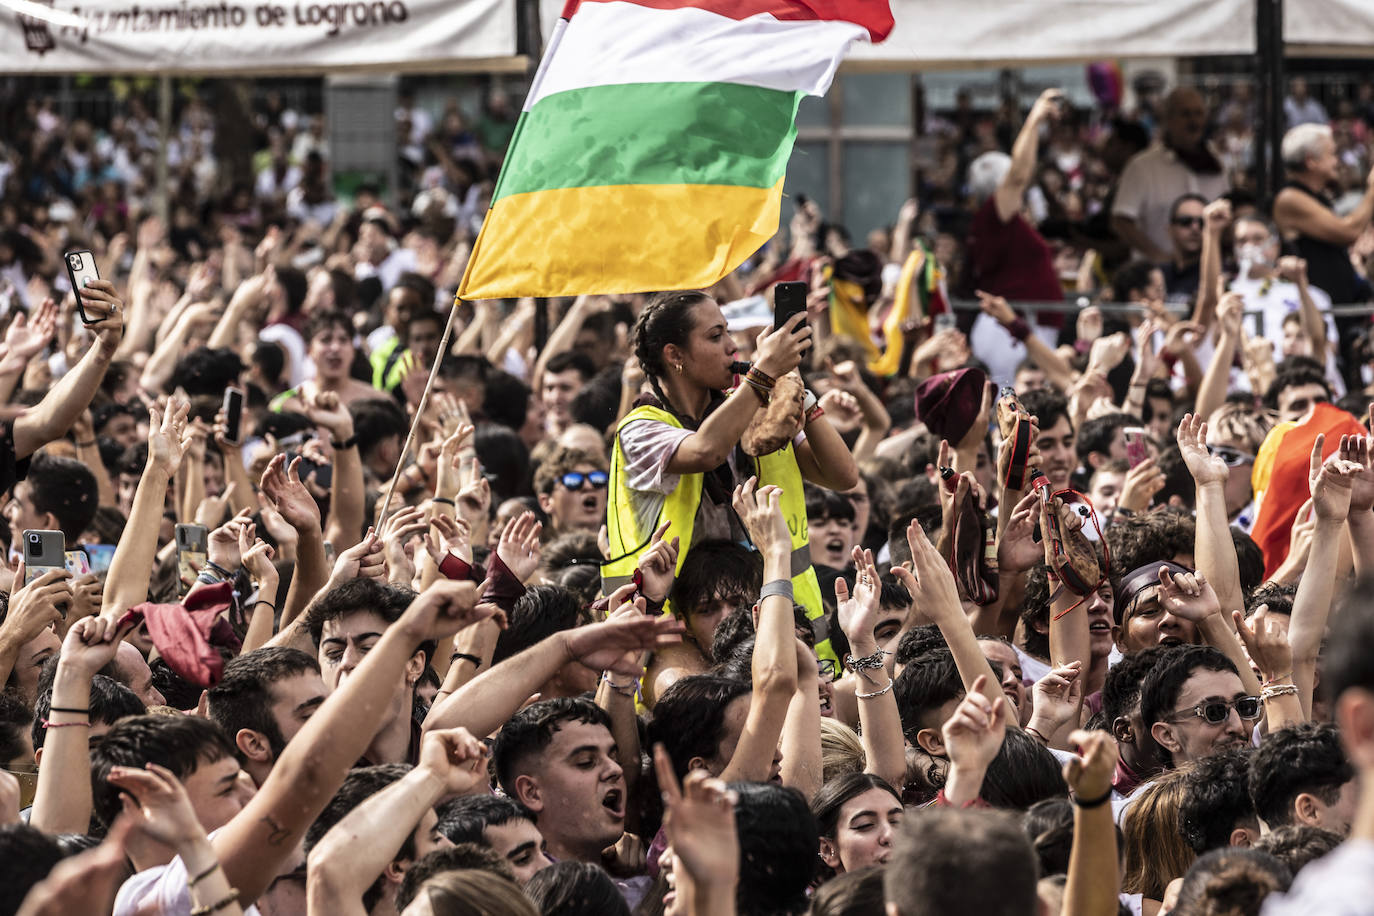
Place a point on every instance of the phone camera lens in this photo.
(33, 539)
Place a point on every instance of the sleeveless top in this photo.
(1328, 264)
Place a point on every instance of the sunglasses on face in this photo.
(1233, 457)
(1185, 222)
(1215, 712)
(573, 480)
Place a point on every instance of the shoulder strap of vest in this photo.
(645, 412)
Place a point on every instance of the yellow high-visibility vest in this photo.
(628, 542)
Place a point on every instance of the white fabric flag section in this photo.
(251, 36)
(971, 33)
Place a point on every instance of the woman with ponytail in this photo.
(676, 456)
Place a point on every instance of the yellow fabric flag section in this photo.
(849, 314)
(891, 360)
(570, 241)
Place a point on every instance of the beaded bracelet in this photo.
(229, 900)
(625, 690)
(1283, 690)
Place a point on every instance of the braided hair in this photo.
(666, 319)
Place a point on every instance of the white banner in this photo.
(235, 37)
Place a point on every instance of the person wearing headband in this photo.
(1141, 618)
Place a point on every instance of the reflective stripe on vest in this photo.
(680, 506)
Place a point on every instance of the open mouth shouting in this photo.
(614, 802)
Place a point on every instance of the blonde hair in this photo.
(1242, 423)
(1156, 852)
(842, 752)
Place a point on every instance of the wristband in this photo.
(445, 500)
(1035, 733)
(1092, 802)
(810, 401)
(1018, 328)
(815, 413)
(90, 444)
(347, 443)
(780, 587)
(466, 657)
(218, 905)
(79, 712)
(48, 724)
(224, 573)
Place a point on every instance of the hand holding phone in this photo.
(81, 270)
(1137, 444)
(193, 542)
(44, 551)
(789, 299)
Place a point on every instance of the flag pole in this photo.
(419, 412)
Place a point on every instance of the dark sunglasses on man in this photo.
(1188, 222)
(573, 480)
(1215, 712)
(1233, 457)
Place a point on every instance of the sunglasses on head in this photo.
(573, 480)
(1186, 221)
(1233, 457)
(1215, 712)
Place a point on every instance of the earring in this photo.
(679, 368)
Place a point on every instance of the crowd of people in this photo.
(491, 615)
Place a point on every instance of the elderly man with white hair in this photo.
(1179, 163)
(1305, 216)
(1005, 255)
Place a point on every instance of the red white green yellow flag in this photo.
(652, 149)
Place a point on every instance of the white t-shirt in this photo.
(1276, 299)
(160, 890)
(1340, 883)
(1152, 180)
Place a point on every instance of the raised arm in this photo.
(1360, 523)
(132, 566)
(1216, 551)
(1216, 216)
(880, 726)
(934, 593)
(282, 490)
(346, 494)
(774, 667)
(1093, 881)
(63, 801)
(1216, 381)
(356, 850)
(1025, 153)
(1331, 483)
(488, 700)
(973, 737)
(1295, 211)
(72, 394)
(1056, 368)
(262, 837)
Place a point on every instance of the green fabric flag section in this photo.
(653, 133)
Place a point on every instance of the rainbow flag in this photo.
(651, 150)
(1279, 477)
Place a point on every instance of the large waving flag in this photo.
(652, 148)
